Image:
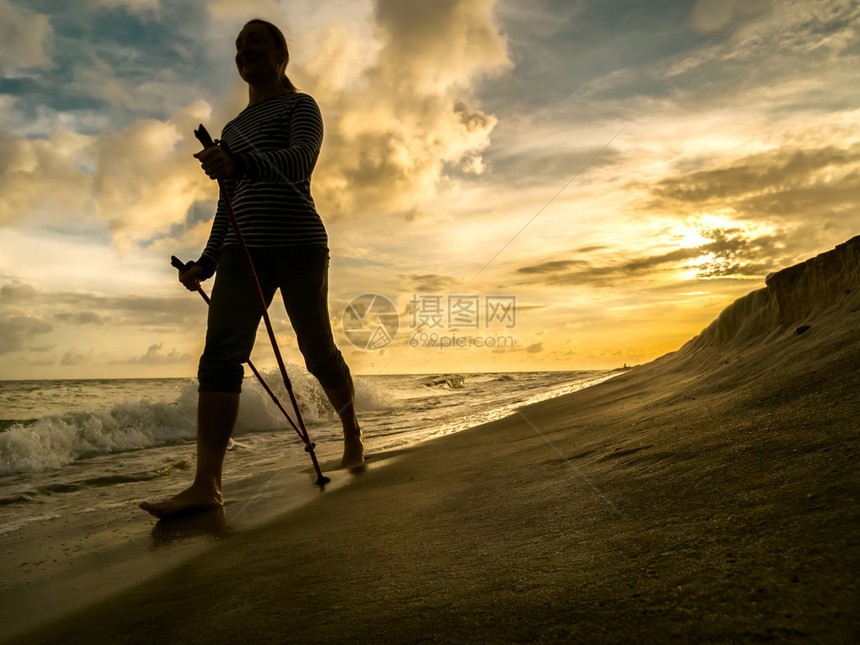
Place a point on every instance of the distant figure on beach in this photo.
(272, 147)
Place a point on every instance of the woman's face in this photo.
(258, 57)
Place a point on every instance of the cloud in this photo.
(137, 174)
(819, 31)
(16, 291)
(769, 173)
(732, 253)
(713, 15)
(23, 303)
(738, 156)
(22, 40)
(435, 46)
(153, 356)
(145, 6)
(405, 115)
(802, 195)
(112, 63)
(430, 283)
(146, 180)
(142, 311)
(44, 176)
(16, 328)
(394, 126)
(141, 180)
(611, 271)
(725, 252)
(534, 348)
(74, 357)
(230, 10)
(80, 318)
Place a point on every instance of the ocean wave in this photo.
(447, 381)
(258, 412)
(54, 441)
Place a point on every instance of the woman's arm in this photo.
(212, 253)
(296, 162)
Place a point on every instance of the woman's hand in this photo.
(216, 163)
(191, 278)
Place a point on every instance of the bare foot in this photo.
(191, 500)
(353, 451)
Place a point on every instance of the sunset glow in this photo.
(622, 170)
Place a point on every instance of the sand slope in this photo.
(711, 495)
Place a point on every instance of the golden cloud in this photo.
(394, 122)
(43, 176)
(398, 107)
(146, 179)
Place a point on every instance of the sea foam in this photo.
(54, 441)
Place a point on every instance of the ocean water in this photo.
(75, 445)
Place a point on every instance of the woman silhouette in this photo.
(266, 159)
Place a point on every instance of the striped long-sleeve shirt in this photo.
(281, 138)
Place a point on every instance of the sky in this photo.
(514, 186)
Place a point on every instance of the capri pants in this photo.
(301, 272)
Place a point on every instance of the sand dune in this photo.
(711, 495)
(795, 297)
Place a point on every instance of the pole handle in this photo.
(178, 264)
(203, 136)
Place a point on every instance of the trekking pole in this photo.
(204, 138)
(177, 263)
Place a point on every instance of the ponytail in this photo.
(287, 84)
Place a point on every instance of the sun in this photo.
(696, 230)
(691, 239)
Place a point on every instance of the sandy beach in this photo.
(711, 495)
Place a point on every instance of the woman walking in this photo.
(267, 155)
